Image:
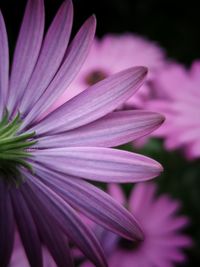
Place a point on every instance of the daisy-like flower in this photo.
(164, 242)
(45, 158)
(114, 53)
(177, 96)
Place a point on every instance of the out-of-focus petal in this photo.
(117, 193)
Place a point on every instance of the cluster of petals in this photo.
(177, 96)
(113, 53)
(71, 144)
(164, 241)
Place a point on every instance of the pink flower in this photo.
(177, 96)
(114, 53)
(163, 243)
(44, 160)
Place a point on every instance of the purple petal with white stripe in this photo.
(26, 52)
(112, 130)
(51, 56)
(92, 202)
(52, 236)
(76, 55)
(100, 164)
(27, 229)
(4, 64)
(64, 215)
(93, 103)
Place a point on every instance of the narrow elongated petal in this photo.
(4, 64)
(101, 164)
(92, 202)
(112, 130)
(51, 56)
(26, 51)
(6, 226)
(27, 229)
(67, 219)
(76, 55)
(54, 239)
(93, 103)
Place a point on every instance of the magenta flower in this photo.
(44, 159)
(177, 96)
(114, 53)
(163, 243)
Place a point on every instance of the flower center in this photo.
(13, 149)
(95, 76)
(129, 245)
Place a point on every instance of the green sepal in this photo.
(14, 149)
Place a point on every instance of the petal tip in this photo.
(140, 235)
(92, 20)
(142, 70)
(159, 119)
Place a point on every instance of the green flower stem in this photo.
(14, 149)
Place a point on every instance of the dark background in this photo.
(175, 26)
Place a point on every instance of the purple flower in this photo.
(163, 243)
(177, 96)
(19, 258)
(114, 53)
(44, 159)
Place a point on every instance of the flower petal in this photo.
(6, 226)
(53, 238)
(27, 229)
(93, 103)
(101, 164)
(67, 219)
(4, 65)
(114, 129)
(116, 192)
(76, 55)
(51, 56)
(26, 51)
(93, 202)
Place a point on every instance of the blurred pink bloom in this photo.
(114, 53)
(177, 96)
(163, 243)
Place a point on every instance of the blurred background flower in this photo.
(164, 242)
(113, 53)
(177, 96)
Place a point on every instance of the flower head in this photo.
(114, 53)
(177, 96)
(163, 243)
(45, 158)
